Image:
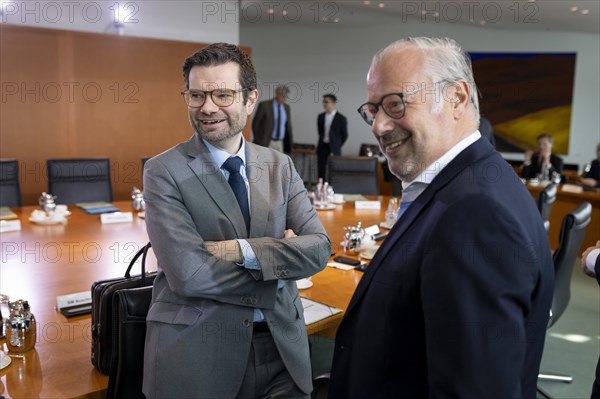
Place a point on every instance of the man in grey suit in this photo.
(226, 320)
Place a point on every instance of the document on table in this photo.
(316, 311)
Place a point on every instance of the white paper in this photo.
(341, 266)
(116, 217)
(367, 205)
(315, 311)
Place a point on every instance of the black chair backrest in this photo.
(366, 148)
(353, 175)
(10, 191)
(572, 233)
(75, 180)
(545, 200)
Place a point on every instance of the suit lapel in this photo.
(472, 154)
(258, 179)
(209, 174)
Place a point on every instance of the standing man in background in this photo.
(232, 228)
(272, 126)
(333, 132)
(456, 301)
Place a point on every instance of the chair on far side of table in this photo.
(353, 175)
(75, 180)
(10, 191)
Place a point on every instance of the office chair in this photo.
(10, 192)
(75, 180)
(572, 233)
(353, 175)
(320, 386)
(545, 200)
(365, 149)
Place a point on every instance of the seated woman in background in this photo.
(543, 163)
(591, 176)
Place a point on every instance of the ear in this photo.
(252, 100)
(460, 95)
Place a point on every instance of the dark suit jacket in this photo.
(264, 122)
(532, 170)
(594, 171)
(338, 133)
(456, 301)
(596, 385)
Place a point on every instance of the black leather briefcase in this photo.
(130, 308)
(103, 298)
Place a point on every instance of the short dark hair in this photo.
(219, 54)
(330, 96)
(546, 136)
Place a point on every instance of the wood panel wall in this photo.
(66, 94)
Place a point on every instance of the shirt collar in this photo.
(220, 156)
(431, 171)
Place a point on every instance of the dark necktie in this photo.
(278, 122)
(236, 181)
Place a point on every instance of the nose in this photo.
(382, 123)
(209, 107)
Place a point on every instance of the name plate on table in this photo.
(571, 188)
(367, 205)
(75, 304)
(10, 225)
(116, 217)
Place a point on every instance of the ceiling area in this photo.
(551, 15)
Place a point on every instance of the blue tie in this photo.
(236, 181)
(409, 195)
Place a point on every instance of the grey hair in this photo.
(446, 61)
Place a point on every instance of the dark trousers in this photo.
(596, 386)
(323, 151)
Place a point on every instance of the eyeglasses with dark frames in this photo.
(393, 104)
(221, 97)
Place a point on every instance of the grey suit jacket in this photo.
(199, 326)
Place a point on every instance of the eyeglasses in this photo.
(221, 97)
(393, 104)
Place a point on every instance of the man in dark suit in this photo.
(232, 228)
(590, 264)
(456, 301)
(333, 132)
(591, 176)
(543, 163)
(271, 125)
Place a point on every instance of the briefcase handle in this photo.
(142, 252)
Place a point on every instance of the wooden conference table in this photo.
(41, 262)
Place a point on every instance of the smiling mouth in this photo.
(211, 121)
(396, 144)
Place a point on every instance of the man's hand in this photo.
(584, 268)
(289, 233)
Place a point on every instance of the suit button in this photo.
(243, 299)
(286, 272)
(247, 323)
(254, 301)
